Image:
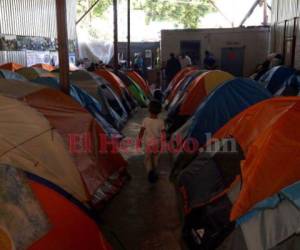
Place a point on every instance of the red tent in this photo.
(71, 227)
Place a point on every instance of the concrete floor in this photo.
(143, 216)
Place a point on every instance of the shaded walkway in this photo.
(144, 216)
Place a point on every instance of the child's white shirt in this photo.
(153, 129)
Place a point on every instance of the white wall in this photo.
(255, 41)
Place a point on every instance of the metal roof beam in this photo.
(87, 12)
(249, 13)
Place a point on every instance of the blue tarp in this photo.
(9, 75)
(275, 78)
(86, 101)
(224, 103)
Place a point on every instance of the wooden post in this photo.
(63, 51)
(294, 42)
(116, 51)
(129, 34)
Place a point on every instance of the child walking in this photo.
(152, 130)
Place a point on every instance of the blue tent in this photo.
(275, 78)
(291, 193)
(98, 88)
(86, 101)
(224, 103)
(112, 99)
(291, 86)
(10, 75)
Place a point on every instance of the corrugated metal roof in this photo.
(287, 9)
(34, 18)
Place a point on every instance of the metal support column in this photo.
(63, 51)
(116, 51)
(128, 34)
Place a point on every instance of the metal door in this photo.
(233, 60)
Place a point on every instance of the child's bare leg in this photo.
(155, 160)
(148, 162)
(153, 166)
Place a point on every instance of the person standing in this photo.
(172, 68)
(209, 61)
(139, 64)
(185, 60)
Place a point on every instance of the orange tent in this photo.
(43, 66)
(200, 88)
(177, 85)
(11, 66)
(71, 227)
(269, 135)
(180, 75)
(140, 81)
(114, 80)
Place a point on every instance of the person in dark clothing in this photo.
(172, 68)
(209, 61)
(261, 70)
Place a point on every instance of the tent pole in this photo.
(63, 51)
(128, 35)
(116, 54)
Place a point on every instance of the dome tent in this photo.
(101, 91)
(86, 102)
(39, 215)
(33, 73)
(119, 87)
(190, 97)
(181, 88)
(225, 102)
(143, 84)
(43, 66)
(274, 79)
(7, 74)
(103, 173)
(134, 89)
(291, 86)
(265, 202)
(11, 66)
(30, 143)
(171, 95)
(272, 118)
(178, 78)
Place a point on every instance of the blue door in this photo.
(233, 60)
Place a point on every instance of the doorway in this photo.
(232, 60)
(192, 49)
